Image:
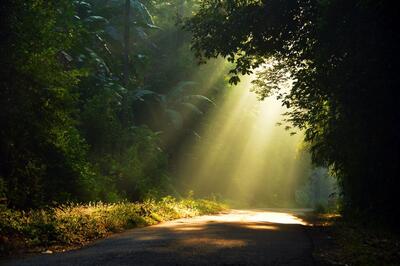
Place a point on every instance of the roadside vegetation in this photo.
(340, 241)
(73, 225)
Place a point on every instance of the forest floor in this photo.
(340, 242)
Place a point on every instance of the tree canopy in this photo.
(340, 57)
(82, 116)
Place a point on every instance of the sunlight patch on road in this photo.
(276, 217)
(147, 237)
(216, 242)
(261, 227)
(189, 228)
(248, 216)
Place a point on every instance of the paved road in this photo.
(240, 237)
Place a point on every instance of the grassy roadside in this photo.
(74, 225)
(341, 242)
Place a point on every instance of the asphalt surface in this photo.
(239, 237)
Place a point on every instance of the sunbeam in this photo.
(243, 154)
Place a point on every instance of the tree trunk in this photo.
(127, 40)
(180, 7)
(125, 115)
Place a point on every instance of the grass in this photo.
(73, 225)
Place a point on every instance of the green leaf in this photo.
(198, 98)
(141, 15)
(175, 117)
(97, 21)
(140, 33)
(113, 33)
(193, 108)
(83, 8)
(138, 94)
(99, 60)
(179, 89)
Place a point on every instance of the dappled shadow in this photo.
(237, 238)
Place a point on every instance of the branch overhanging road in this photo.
(238, 237)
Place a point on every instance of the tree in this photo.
(339, 55)
(86, 86)
(42, 156)
(127, 41)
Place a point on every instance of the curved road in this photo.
(239, 237)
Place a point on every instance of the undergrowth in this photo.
(366, 245)
(342, 241)
(76, 224)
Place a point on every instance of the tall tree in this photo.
(127, 41)
(341, 57)
(42, 156)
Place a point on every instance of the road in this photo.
(238, 237)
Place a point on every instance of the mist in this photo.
(244, 155)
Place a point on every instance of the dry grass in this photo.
(76, 224)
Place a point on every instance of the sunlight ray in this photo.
(244, 155)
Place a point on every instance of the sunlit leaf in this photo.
(198, 98)
(179, 89)
(193, 108)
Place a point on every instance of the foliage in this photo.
(76, 224)
(353, 242)
(344, 82)
(42, 155)
(136, 171)
(75, 126)
(366, 246)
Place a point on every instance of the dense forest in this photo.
(110, 100)
(87, 89)
(111, 104)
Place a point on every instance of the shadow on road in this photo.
(245, 237)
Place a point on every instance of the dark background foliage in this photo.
(341, 56)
